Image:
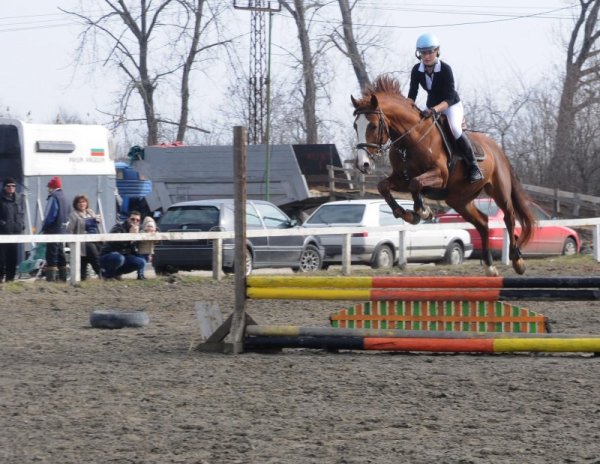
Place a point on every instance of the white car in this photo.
(380, 249)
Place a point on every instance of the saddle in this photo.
(452, 149)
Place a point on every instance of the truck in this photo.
(294, 177)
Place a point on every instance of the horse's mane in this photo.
(384, 83)
(383, 86)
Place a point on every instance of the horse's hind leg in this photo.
(514, 252)
(385, 188)
(480, 220)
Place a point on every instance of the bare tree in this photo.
(499, 122)
(530, 143)
(579, 90)
(586, 152)
(346, 43)
(154, 44)
(309, 102)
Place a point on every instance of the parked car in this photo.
(303, 254)
(380, 249)
(546, 240)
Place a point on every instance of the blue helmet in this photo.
(427, 42)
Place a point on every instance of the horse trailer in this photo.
(78, 153)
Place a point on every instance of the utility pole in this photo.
(259, 75)
(259, 95)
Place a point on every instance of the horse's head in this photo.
(371, 130)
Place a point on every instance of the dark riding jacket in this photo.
(442, 87)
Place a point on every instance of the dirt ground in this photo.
(73, 394)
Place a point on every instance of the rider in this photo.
(437, 79)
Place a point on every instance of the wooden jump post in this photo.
(235, 325)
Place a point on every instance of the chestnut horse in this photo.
(386, 121)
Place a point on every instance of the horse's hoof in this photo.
(414, 218)
(519, 266)
(491, 271)
(425, 214)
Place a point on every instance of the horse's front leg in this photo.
(385, 188)
(429, 179)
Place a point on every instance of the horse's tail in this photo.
(523, 214)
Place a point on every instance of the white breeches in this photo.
(455, 115)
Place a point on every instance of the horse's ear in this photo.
(374, 102)
(354, 101)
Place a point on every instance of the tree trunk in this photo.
(581, 74)
(351, 49)
(309, 102)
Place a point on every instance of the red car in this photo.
(546, 240)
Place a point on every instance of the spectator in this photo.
(118, 258)
(146, 247)
(11, 223)
(56, 217)
(83, 220)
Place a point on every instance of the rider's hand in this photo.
(428, 112)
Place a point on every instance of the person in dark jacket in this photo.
(11, 223)
(56, 217)
(437, 79)
(118, 258)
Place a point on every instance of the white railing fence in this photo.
(350, 178)
(218, 237)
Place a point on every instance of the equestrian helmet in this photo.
(427, 42)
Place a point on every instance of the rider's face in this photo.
(429, 57)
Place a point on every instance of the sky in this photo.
(488, 44)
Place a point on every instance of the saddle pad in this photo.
(477, 149)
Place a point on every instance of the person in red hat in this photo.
(56, 217)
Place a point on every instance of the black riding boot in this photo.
(472, 169)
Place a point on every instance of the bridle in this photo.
(383, 147)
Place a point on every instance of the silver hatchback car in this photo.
(379, 249)
(304, 254)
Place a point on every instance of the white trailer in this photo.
(78, 153)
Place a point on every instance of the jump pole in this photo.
(416, 340)
(452, 282)
(429, 344)
(301, 331)
(389, 294)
